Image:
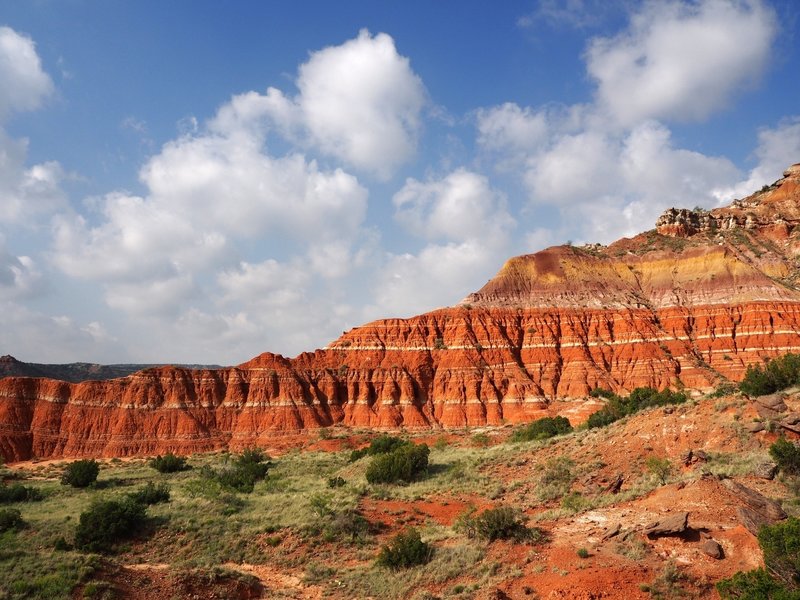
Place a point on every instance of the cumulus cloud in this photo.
(360, 102)
(24, 83)
(467, 228)
(176, 253)
(681, 60)
(461, 206)
(777, 148)
(615, 185)
(19, 276)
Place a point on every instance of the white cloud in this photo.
(23, 83)
(19, 276)
(35, 337)
(576, 14)
(461, 206)
(777, 148)
(608, 185)
(175, 254)
(681, 60)
(511, 130)
(439, 275)
(468, 229)
(359, 102)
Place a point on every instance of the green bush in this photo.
(777, 374)
(786, 455)
(18, 493)
(405, 463)
(405, 550)
(599, 392)
(501, 523)
(348, 523)
(108, 522)
(169, 463)
(151, 494)
(660, 467)
(542, 429)
(242, 473)
(556, 478)
(639, 399)
(383, 444)
(780, 544)
(754, 585)
(10, 518)
(81, 473)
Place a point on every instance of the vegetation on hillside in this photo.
(774, 375)
(639, 399)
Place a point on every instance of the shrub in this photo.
(383, 444)
(582, 553)
(599, 392)
(639, 399)
(501, 523)
(151, 494)
(106, 523)
(346, 523)
(754, 585)
(406, 463)
(81, 473)
(243, 472)
(786, 455)
(781, 546)
(542, 429)
(169, 463)
(556, 479)
(481, 440)
(777, 374)
(335, 482)
(660, 467)
(18, 493)
(405, 550)
(10, 518)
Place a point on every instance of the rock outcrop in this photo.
(691, 306)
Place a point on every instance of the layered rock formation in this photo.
(691, 303)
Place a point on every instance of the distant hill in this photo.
(78, 371)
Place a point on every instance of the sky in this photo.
(199, 182)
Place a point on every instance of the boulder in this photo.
(671, 525)
(755, 426)
(756, 510)
(765, 470)
(770, 406)
(712, 548)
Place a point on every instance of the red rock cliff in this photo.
(690, 303)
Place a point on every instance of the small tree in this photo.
(81, 473)
(406, 463)
(405, 550)
(10, 518)
(106, 523)
(786, 455)
(660, 467)
(169, 463)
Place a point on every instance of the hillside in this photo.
(690, 303)
(591, 495)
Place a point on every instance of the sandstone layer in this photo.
(691, 303)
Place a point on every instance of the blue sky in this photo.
(203, 181)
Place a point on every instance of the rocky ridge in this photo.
(691, 303)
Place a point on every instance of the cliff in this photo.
(691, 303)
